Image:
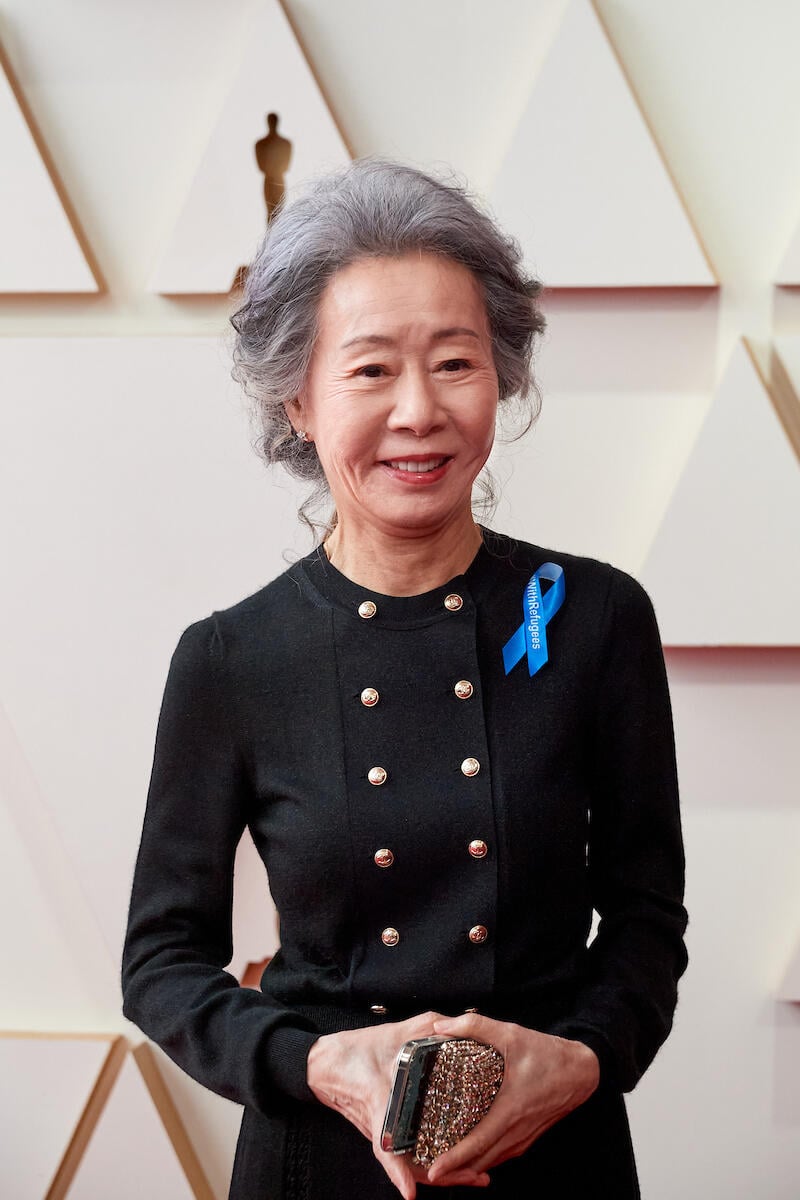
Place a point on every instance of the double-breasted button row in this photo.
(379, 775)
(452, 602)
(477, 935)
(384, 857)
(370, 695)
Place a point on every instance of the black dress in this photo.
(336, 722)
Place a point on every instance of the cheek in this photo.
(346, 445)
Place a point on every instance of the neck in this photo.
(403, 565)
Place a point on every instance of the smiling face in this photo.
(402, 375)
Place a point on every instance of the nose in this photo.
(415, 404)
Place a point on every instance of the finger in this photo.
(479, 1142)
(463, 1179)
(398, 1171)
(507, 1149)
(423, 1021)
(467, 1025)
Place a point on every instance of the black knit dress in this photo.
(567, 776)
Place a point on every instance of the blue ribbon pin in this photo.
(530, 638)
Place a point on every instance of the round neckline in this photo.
(333, 586)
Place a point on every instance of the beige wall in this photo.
(138, 504)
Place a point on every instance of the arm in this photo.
(624, 1010)
(636, 861)
(234, 1040)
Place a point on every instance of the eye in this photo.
(370, 367)
(459, 363)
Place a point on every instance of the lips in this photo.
(422, 471)
(420, 463)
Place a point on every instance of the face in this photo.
(402, 376)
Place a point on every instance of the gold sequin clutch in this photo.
(442, 1088)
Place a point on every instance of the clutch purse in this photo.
(442, 1087)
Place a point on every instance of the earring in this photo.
(301, 433)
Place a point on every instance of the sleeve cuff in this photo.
(287, 1057)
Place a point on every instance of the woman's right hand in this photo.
(352, 1072)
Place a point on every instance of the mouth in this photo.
(424, 470)
(419, 465)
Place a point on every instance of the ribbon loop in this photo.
(530, 637)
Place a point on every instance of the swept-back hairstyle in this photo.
(371, 207)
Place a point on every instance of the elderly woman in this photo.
(449, 745)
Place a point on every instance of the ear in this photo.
(294, 411)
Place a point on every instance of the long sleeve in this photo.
(234, 1040)
(636, 859)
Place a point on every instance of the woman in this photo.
(449, 745)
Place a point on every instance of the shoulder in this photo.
(262, 616)
(608, 597)
(516, 558)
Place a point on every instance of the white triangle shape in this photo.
(583, 186)
(723, 568)
(39, 251)
(223, 215)
(129, 1154)
(45, 1084)
(788, 348)
(789, 269)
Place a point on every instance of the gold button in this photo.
(390, 937)
(378, 1008)
(367, 608)
(470, 766)
(384, 858)
(478, 933)
(467, 1010)
(478, 848)
(453, 601)
(377, 775)
(369, 696)
(463, 689)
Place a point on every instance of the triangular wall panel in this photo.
(138, 1148)
(40, 242)
(785, 380)
(223, 215)
(583, 185)
(45, 1086)
(723, 569)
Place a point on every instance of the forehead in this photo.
(407, 292)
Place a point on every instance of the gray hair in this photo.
(371, 207)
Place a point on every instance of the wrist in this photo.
(585, 1066)
(316, 1064)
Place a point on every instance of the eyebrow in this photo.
(379, 339)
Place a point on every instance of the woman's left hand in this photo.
(545, 1078)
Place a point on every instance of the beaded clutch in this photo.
(442, 1088)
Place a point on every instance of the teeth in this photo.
(411, 465)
